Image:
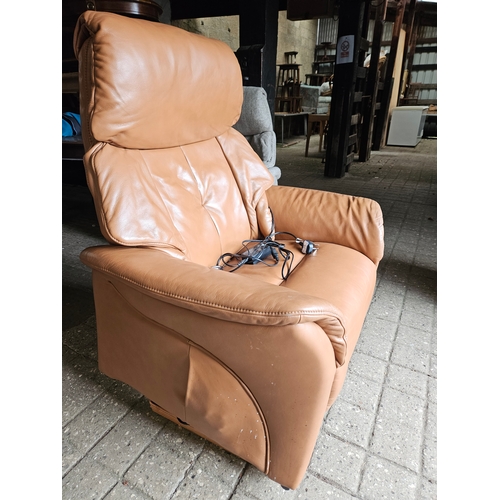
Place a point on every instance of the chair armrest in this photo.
(215, 293)
(318, 216)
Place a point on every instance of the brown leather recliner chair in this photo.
(246, 359)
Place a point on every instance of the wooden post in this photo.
(347, 70)
(411, 52)
(410, 32)
(259, 32)
(380, 128)
(372, 85)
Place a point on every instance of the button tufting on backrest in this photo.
(166, 168)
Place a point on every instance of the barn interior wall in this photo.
(299, 36)
(226, 28)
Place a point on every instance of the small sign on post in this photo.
(345, 49)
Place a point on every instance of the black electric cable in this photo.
(265, 248)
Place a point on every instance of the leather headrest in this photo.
(152, 85)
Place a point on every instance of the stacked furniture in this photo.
(323, 65)
(288, 97)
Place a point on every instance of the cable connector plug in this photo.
(306, 246)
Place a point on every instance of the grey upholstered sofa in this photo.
(256, 124)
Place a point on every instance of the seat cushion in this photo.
(349, 288)
(342, 276)
(352, 275)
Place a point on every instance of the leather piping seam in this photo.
(298, 313)
(88, 59)
(249, 393)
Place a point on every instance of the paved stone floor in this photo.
(379, 439)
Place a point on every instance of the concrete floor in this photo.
(379, 439)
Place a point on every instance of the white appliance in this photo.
(407, 125)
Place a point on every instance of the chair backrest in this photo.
(163, 163)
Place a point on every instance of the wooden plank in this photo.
(355, 119)
(427, 48)
(424, 67)
(358, 96)
(412, 101)
(425, 40)
(70, 83)
(352, 139)
(361, 72)
(423, 85)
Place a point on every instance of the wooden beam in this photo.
(298, 10)
(195, 9)
(259, 44)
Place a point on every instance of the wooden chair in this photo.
(322, 119)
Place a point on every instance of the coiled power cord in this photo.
(257, 251)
